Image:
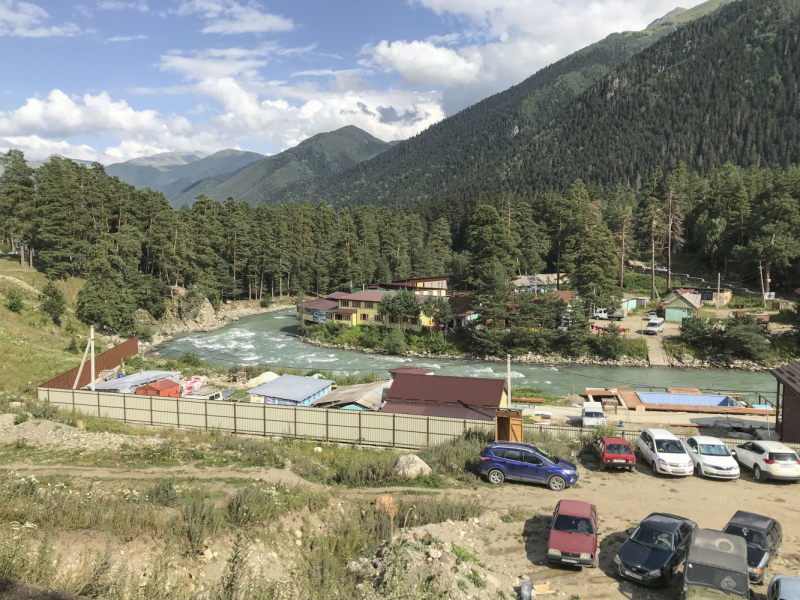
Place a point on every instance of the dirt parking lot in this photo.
(516, 550)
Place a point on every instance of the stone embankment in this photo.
(721, 362)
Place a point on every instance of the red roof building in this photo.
(412, 370)
(444, 396)
(165, 388)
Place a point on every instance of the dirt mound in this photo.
(13, 590)
(48, 433)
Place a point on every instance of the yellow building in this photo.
(359, 308)
(421, 286)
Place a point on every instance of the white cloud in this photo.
(84, 11)
(225, 62)
(126, 38)
(114, 5)
(423, 63)
(23, 19)
(506, 41)
(327, 72)
(37, 148)
(230, 17)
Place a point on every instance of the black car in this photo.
(656, 548)
(763, 536)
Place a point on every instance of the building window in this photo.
(369, 304)
(345, 317)
(415, 321)
(356, 304)
(378, 318)
(344, 303)
(365, 317)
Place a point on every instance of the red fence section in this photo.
(109, 359)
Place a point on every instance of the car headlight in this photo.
(569, 471)
(554, 551)
(757, 570)
(586, 555)
(655, 573)
(617, 561)
(661, 461)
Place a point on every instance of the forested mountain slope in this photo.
(425, 165)
(319, 156)
(171, 179)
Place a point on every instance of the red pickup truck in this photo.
(573, 534)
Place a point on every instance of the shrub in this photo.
(190, 304)
(396, 342)
(52, 301)
(251, 505)
(200, 520)
(743, 337)
(14, 301)
(610, 344)
(265, 303)
(43, 410)
(20, 418)
(163, 493)
(191, 360)
(72, 348)
(699, 333)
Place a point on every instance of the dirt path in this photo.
(20, 283)
(274, 476)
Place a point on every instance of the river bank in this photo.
(684, 362)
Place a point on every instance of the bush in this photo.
(743, 337)
(200, 520)
(190, 304)
(609, 344)
(20, 418)
(265, 303)
(144, 333)
(52, 301)
(43, 410)
(72, 348)
(642, 282)
(163, 493)
(396, 342)
(14, 301)
(699, 333)
(746, 302)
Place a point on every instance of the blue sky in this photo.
(111, 80)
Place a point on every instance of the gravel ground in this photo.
(48, 433)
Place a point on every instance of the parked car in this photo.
(603, 314)
(592, 414)
(517, 461)
(614, 452)
(664, 453)
(763, 536)
(654, 326)
(656, 548)
(652, 315)
(784, 587)
(716, 566)
(769, 460)
(573, 534)
(661, 269)
(711, 457)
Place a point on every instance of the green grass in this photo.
(529, 392)
(513, 515)
(476, 579)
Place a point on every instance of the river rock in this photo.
(687, 359)
(410, 466)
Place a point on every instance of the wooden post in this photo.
(327, 418)
(359, 427)
(265, 419)
(205, 404)
(151, 411)
(394, 429)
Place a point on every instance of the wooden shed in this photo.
(787, 419)
(508, 426)
(166, 388)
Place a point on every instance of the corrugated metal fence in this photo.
(331, 425)
(109, 359)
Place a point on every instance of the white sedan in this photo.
(711, 457)
(769, 460)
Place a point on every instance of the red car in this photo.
(614, 452)
(573, 534)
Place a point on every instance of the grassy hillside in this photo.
(319, 156)
(172, 179)
(428, 164)
(32, 348)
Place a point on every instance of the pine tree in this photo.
(52, 301)
(17, 195)
(489, 243)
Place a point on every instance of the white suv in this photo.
(665, 453)
(769, 460)
(711, 457)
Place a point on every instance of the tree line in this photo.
(130, 246)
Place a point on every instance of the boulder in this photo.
(687, 359)
(410, 466)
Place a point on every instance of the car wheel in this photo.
(496, 477)
(630, 469)
(557, 483)
(698, 470)
(757, 474)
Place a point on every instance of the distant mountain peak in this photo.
(167, 159)
(668, 17)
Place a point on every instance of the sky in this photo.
(112, 80)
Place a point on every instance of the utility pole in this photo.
(508, 368)
(761, 279)
(91, 341)
(624, 219)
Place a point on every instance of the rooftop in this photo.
(788, 375)
(409, 388)
(291, 387)
(136, 380)
(319, 304)
(752, 520)
(450, 411)
(576, 508)
(663, 522)
(368, 395)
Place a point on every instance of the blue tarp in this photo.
(688, 399)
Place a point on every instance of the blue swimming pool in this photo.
(687, 399)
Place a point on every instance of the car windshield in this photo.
(729, 582)
(618, 449)
(547, 456)
(783, 456)
(669, 447)
(714, 450)
(652, 538)
(751, 536)
(571, 524)
(594, 415)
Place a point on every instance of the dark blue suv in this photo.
(525, 462)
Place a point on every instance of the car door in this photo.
(644, 448)
(514, 464)
(756, 453)
(595, 527)
(744, 455)
(774, 592)
(681, 543)
(598, 448)
(775, 538)
(533, 467)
